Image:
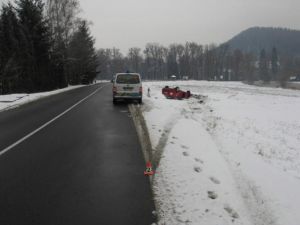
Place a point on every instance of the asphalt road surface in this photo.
(68, 166)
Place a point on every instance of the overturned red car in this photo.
(175, 93)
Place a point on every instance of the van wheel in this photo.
(114, 101)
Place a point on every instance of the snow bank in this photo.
(231, 157)
(15, 100)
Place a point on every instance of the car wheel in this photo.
(140, 101)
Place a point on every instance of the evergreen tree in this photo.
(10, 50)
(82, 57)
(1, 58)
(263, 66)
(274, 62)
(37, 65)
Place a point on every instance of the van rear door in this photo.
(128, 84)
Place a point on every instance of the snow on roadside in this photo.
(230, 158)
(15, 100)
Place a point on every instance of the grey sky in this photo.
(128, 23)
(133, 23)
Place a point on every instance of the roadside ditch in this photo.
(144, 138)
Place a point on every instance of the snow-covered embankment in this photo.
(230, 157)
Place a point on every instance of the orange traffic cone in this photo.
(148, 171)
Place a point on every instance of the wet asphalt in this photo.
(86, 167)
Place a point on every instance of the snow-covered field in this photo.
(231, 156)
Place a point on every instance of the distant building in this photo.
(173, 77)
(269, 64)
(294, 78)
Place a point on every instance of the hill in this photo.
(254, 39)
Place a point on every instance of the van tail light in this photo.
(141, 90)
(114, 89)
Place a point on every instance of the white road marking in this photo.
(2, 152)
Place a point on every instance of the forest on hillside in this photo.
(254, 39)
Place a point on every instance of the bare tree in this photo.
(210, 62)
(135, 59)
(155, 60)
(171, 60)
(63, 18)
(104, 63)
(248, 67)
(263, 66)
(222, 54)
(63, 21)
(117, 61)
(195, 52)
(237, 61)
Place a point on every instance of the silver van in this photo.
(127, 86)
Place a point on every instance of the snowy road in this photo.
(230, 157)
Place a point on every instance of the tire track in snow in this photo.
(257, 205)
(159, 149)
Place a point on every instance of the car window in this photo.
(128, 79)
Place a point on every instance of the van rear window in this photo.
(128, 79)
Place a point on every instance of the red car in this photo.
(175, 93)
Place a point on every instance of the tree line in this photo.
(199, 62)
(48, 46)
(44, 46)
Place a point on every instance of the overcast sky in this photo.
(133, 23)
(128, 23)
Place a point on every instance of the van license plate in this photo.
(127, 88)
